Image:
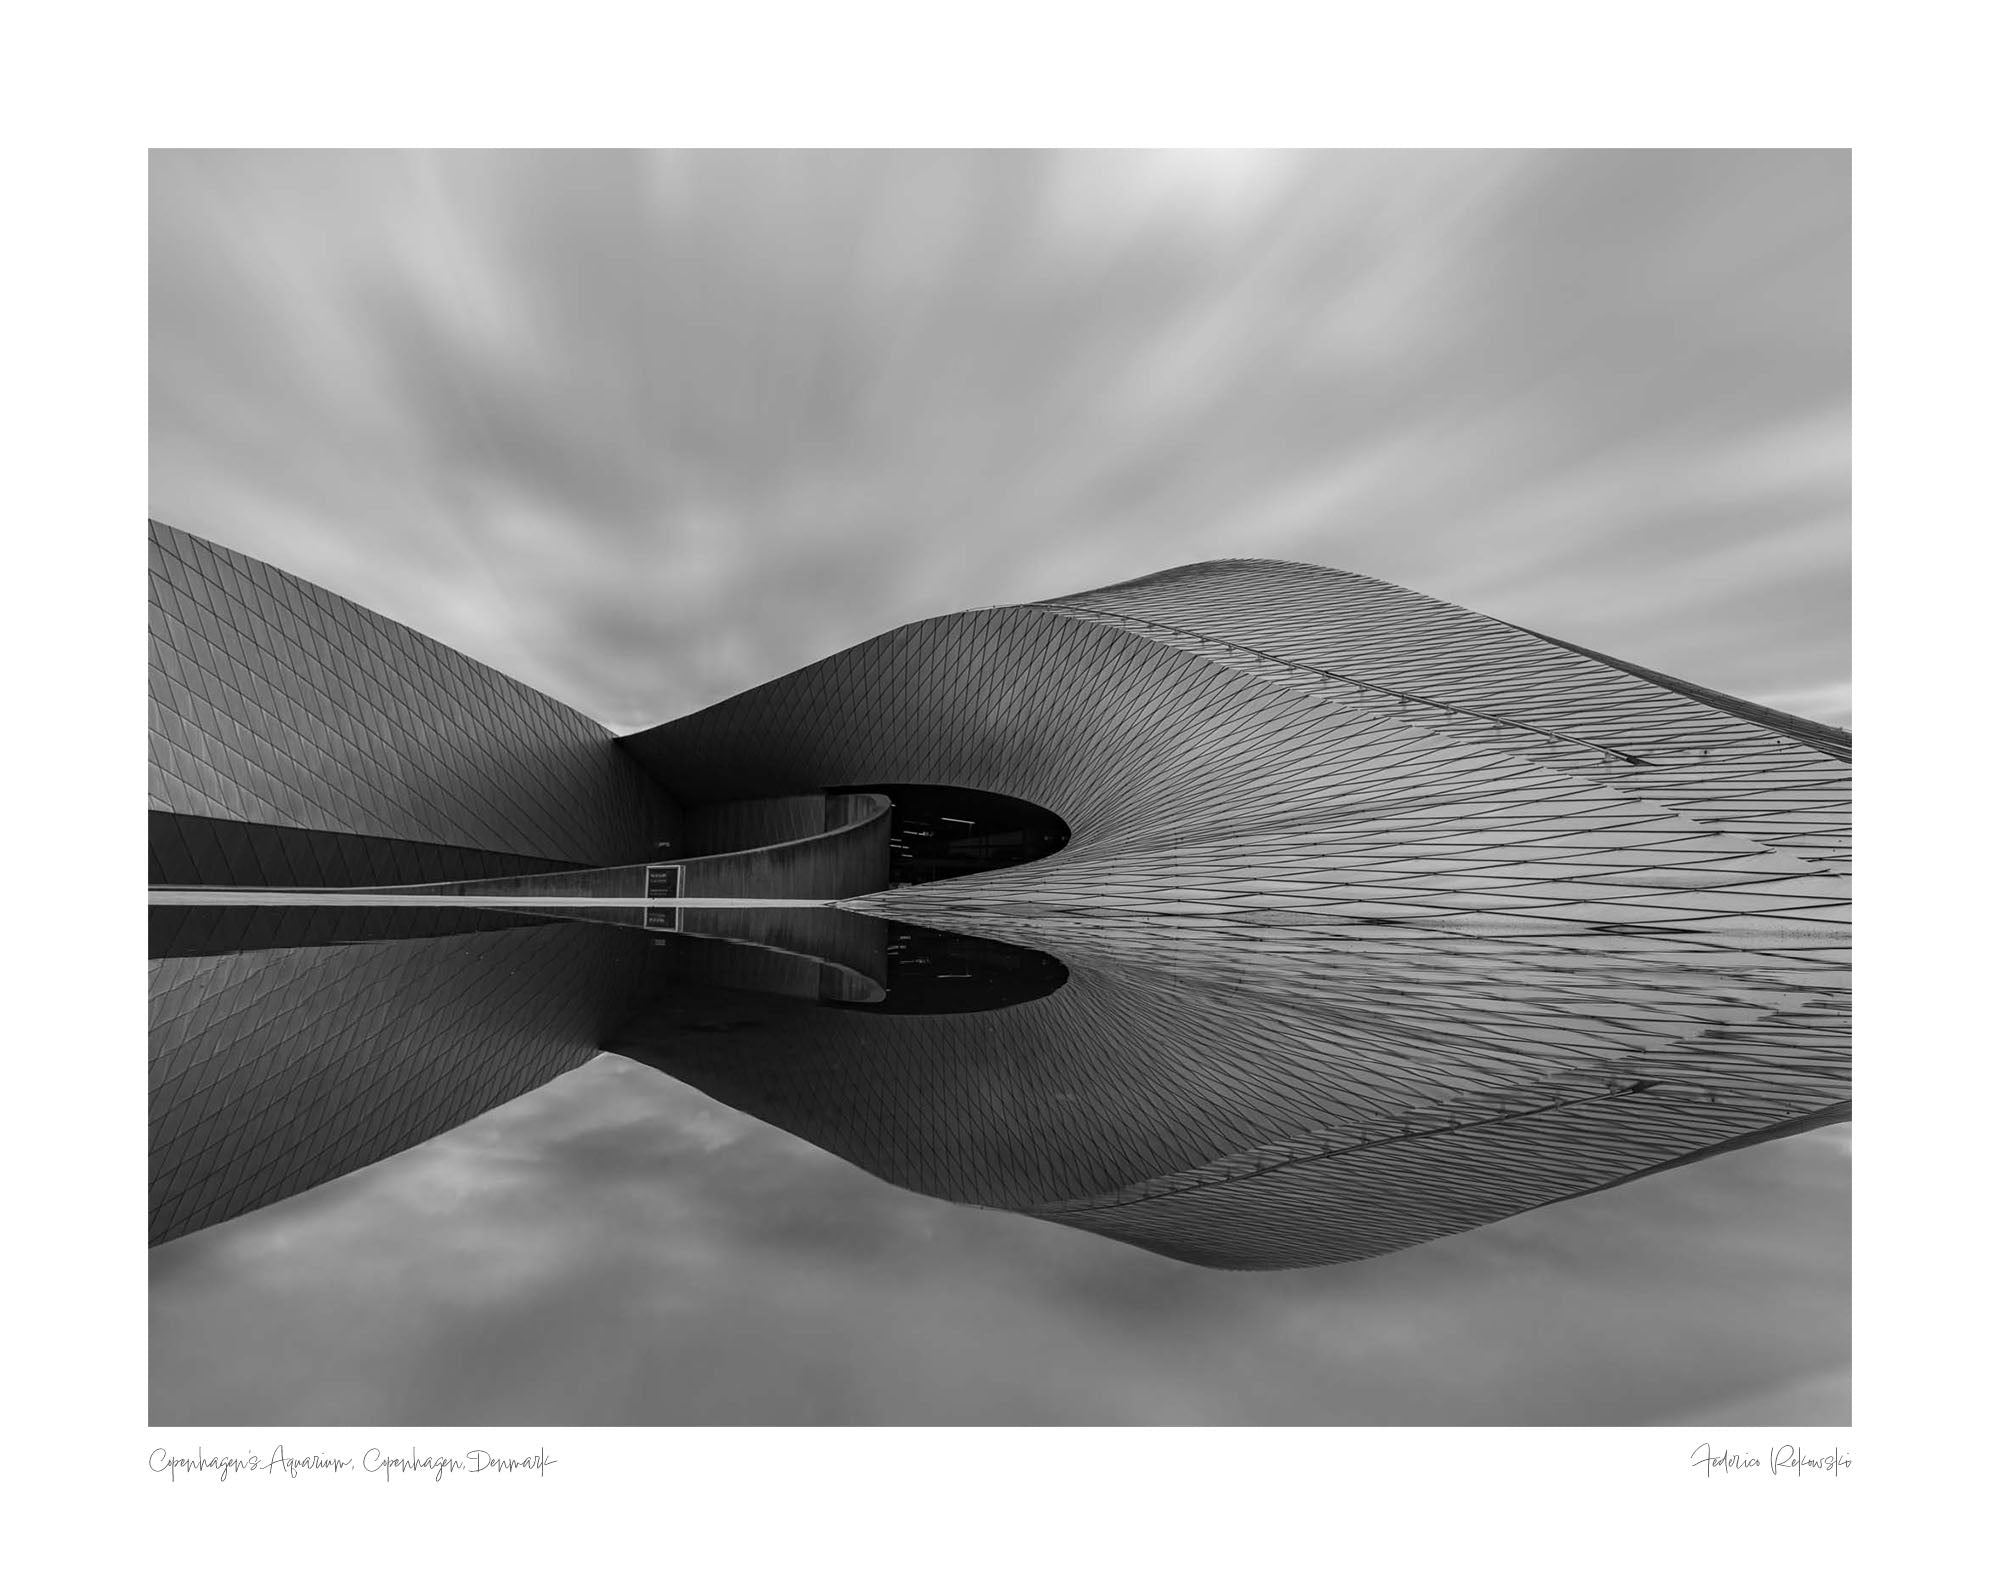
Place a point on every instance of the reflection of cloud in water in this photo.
(618, 1248)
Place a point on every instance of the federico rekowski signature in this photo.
(1779, 1460)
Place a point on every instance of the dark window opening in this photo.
(938, 833)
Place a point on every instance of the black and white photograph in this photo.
(999, 787)
(938, 789)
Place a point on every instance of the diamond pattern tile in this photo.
(1382, 919)
(275, 702)
(1241, 736)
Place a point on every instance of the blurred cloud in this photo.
(644, 429)
(617, 1248)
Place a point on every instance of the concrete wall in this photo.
(847, 861)
(615, 880)
(739, 824)
(844, 862)
(751, 823)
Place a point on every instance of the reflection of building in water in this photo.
(1279, 1094)
(275, 1070)
(1381, 919)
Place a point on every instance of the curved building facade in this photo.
(1365, 918)
(298, 739)
(1242, 736)
(1382, 918)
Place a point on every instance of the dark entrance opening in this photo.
(936, 833)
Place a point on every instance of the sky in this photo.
(645, 429)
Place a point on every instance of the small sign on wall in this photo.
(663, 884)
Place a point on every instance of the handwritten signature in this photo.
(1779, 1460)
(388, 1466)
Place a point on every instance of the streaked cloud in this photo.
(644, 429)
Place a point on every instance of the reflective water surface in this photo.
(1261, 1091)
(455, 1209)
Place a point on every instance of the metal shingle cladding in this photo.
(1383, 920)
(1252, 735)
(275, 701)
